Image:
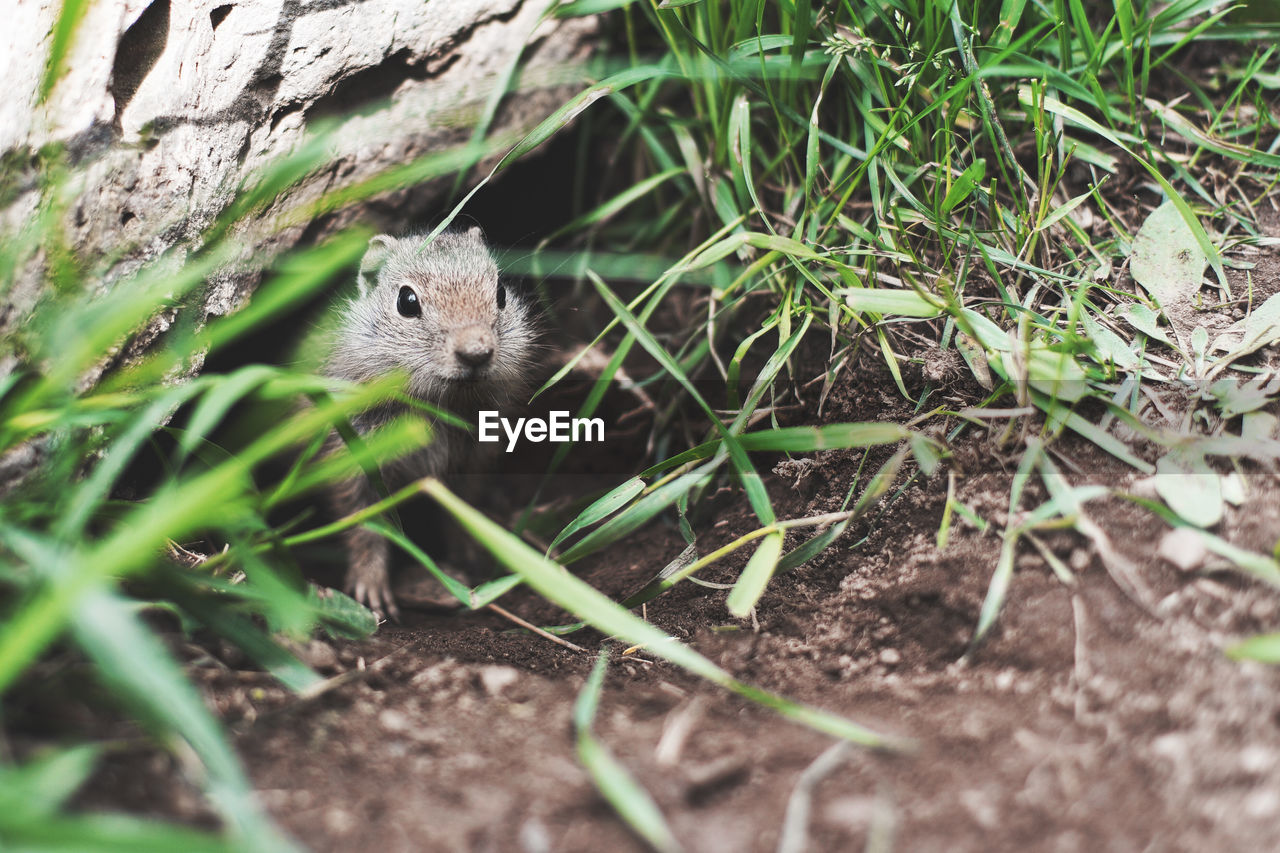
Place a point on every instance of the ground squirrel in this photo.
(438, 311)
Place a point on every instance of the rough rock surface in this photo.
(167, 108)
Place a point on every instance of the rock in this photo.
(1183, 547)
(165, 109)
(497, 678)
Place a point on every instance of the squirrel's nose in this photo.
(474, 347)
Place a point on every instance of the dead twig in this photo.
(546, 635)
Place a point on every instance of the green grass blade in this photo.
(998, 588)
(109, 833)
(747, 475)
(43, 784)
(64, 33)
(137, 666)
(964, 186)
(1003, 575)
(892, 303)
(241, 631)
(456, 588)
(1265, 648)
(296, 277)
(750, 586)
(637, 514)
(555, 122)
(224, 392)
(618, 203)
(97, 487)
(601, 509)
(581, 8)
(178, 509)
(619, 788)
(811, 547)
(772, 367)
(803, 439)
(492, 590)
(1075, 422)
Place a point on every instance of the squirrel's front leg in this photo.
(368, 578)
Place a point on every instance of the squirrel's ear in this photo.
(374, 256)
(474, 233)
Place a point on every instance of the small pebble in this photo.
(1184, 548)
(339, 821)
(394, 721)
(1263, 803)
(495, 679)
(1256, 759)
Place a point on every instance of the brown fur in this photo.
(456, 282)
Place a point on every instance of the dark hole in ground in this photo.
(506, 481)
(500, 209)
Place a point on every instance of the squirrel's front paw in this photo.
(371, 586)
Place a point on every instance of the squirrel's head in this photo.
(439, 311)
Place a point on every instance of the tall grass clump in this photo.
(123, 512)
(907, 175)
(87, 574)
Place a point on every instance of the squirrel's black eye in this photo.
(502, 296)
(408, 304)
